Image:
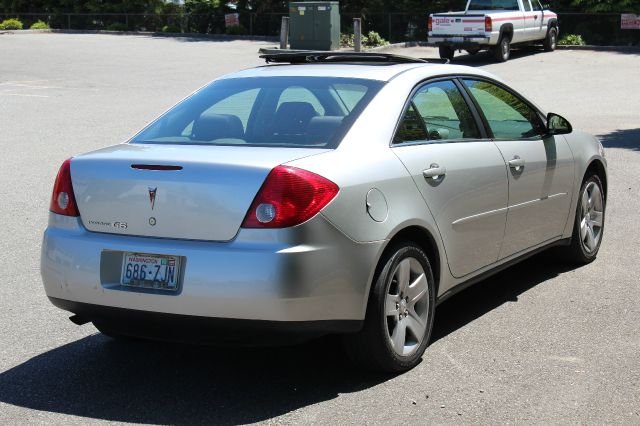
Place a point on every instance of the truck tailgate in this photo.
(457, 25)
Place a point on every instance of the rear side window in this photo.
(536, 5)
(493, 5)
(508, 116)
(526, 5)
(265, 111)
(437, 111)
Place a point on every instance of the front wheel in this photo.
(399, 315)
(502, 50)
(588, 226)
(551, 40)
(446, 52)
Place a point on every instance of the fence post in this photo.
(251, 24)
(126, 20)
(68, 21)
(357, 34)
(389, 33)
(284, 32)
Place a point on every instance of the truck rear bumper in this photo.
(462, 42)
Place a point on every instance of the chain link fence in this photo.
(595, 29)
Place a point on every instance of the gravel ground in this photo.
(539, 343)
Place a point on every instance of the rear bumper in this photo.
(261, 275)
(203, 330)
(463, 42)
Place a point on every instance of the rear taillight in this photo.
(488, 26)
(430, 24)
(62, 200)
(288, 197)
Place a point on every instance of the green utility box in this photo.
(314, 25)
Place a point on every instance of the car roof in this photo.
(379, 72)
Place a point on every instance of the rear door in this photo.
(540, 168)
(538, 29)
(461, 175)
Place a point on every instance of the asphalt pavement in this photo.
(540, 343)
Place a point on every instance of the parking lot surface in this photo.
(539, 343)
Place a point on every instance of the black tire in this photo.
(502, 50)
(372, 347)
(551, 40)
(446, 52)
(577, 252)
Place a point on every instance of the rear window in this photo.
(493, 5)
(265, 111)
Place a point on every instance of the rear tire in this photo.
(588, 226)
(502, 50)
(446, 52)
(399, 315)
(551, 40)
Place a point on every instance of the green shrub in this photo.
(236, 30)
(374, 39)
(11, 24)
(170, 29)
(572, 40)
(39, 25)
(117, 26)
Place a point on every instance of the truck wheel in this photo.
(503, 49)
(551, 40)
(446, 52)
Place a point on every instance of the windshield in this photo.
(493, 5)
(265, 111)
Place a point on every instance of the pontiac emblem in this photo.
(152, 196)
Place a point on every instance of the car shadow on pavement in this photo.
(627, 139)
(486, 57)
(161, 383)
(501, 288)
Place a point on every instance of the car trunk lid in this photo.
(192, 192)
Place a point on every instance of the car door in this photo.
(529, 25)
(539, 30)
(459, 172)
(540, 168)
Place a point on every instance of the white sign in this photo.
(630, 21)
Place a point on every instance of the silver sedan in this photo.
(329, 193)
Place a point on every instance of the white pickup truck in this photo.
(493, 25)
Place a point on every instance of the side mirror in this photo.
(557, 125)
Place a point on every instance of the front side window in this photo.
(508, 116)
(437, 112)
(526, 5)
(265, 111)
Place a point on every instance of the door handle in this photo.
(516, 163)
(434, 171)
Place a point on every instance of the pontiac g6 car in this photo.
(325, 193)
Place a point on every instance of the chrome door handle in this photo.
(516, 163)
(434, 171)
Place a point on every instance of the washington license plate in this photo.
(150, 271)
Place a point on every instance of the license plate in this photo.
(150, 271)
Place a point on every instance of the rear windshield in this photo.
(265, 111)
(493, 5)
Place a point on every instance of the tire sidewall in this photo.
(583, 254)
(377, 304)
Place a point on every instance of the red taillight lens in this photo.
(288, 197)
(63, 201)
(430, 24)
(488, 26)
